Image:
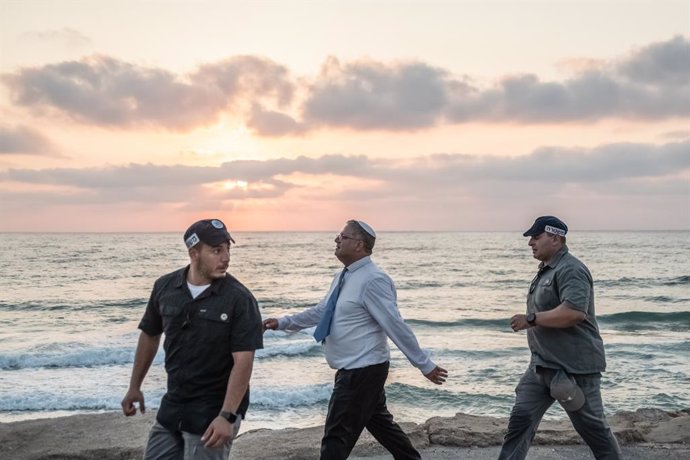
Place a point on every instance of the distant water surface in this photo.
(70, 305)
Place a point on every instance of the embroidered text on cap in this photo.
(554, 230)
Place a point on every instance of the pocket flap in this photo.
(215, 315)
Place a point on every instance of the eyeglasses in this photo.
(345, 237)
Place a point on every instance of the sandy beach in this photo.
(643, 434)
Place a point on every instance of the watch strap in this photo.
(229, 416)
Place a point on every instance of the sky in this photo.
(299, 115)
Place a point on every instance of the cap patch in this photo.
(554, 230)
(216, 223)
(192, 240)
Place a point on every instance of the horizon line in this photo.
(58, 232)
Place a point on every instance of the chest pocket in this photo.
(172, 315)
(215, 324)
(219, 315)
(547, 294)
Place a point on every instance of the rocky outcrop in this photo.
(111, 436)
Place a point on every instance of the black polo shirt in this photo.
(200, 336)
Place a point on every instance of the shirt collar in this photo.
(556, 257)
(359, 264)
(181, 280)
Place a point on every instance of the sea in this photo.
(70, 304)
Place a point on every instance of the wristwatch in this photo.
(532, 319)
(229, 416)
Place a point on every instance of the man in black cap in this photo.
(567, 350)
(212, 328)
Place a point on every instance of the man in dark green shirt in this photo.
(567, 350)
(212, 328)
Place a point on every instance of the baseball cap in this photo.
(549, 224)
(567, 392)
(209, 231)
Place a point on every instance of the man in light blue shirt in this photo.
(354, 321)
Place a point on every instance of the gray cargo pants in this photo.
(166, 445)
(533, 398)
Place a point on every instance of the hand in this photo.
(438, 375)
(219, 432)
(519, 322)
(132, 396)
(270, 323)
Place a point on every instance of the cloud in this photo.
(370, 95)
(591, 96)
(664, 63)
(547, 165)
(677, 134)
(106, 91)
(440, 190)
(649, 83)
(23, 140)
(270, 123)
(67, 36)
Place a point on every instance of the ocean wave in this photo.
(664, 299)
(40, 401)
(406, 285)
(646, 350)
(625, 281)
(642, 320)
(400, 393)
(281, 302)
(499, 323)
(639, 282)
(681, 280)
(69, 355)
(481, 355)
(438, 397)
(626, 321)
(304, 349)
(285, 396)
(72, 306)
(78, 354)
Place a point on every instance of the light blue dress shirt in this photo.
(365, 315)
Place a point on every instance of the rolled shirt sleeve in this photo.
(575, 287)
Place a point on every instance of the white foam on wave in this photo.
(70, 355)
(281, 343)
(288, 349)
(291, 396)
(21, 401)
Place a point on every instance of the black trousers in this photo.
(359, 401)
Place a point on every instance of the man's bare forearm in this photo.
(239, 380)
(147, 347)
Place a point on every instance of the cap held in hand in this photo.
(567, 392)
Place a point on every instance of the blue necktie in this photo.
(324, 326)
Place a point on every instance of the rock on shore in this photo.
(111, 436)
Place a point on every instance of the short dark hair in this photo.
(367, 239)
